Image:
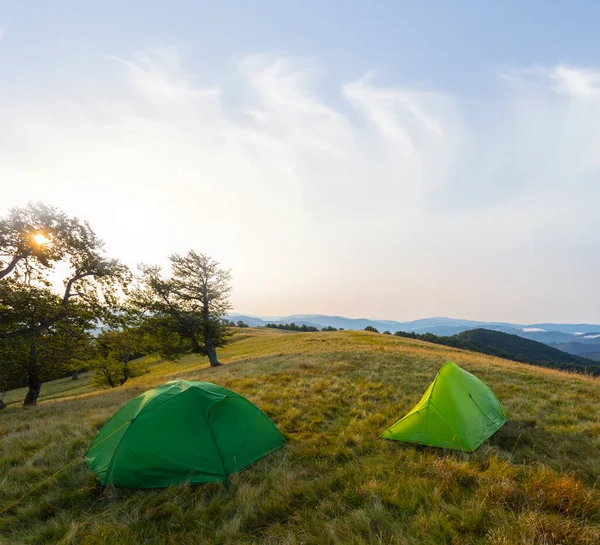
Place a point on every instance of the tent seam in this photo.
(433, 390)
(214, 438)
(439, 413)
(118, 447)
(405, 417)
(481, 410)
(139, 414)
(144, 408)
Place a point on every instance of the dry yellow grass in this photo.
(331, 395)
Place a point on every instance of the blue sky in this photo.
(441, 155)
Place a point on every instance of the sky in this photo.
(390, 159)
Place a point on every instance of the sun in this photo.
(40, 239)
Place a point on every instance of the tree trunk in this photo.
(209, 345)
(211, 351)
(109, 379)
(9, 268)
(125, 368)
(75, 375)
(33, 378)
(2, 405)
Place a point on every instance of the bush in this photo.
(371, 329)
(293, 327)
(110, 373)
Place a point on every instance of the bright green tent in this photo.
(457, 411)
(181, 432)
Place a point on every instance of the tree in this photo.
(186, 310)
(48, 338)
(241, 324)
(112, 354)
(293, 327)
(371, 329)
(127, 337)
(33, 316)
(25, 235)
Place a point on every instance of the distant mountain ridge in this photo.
(526, 351)
(511, 347)
(559, 336)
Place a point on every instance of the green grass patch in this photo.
(54, 389)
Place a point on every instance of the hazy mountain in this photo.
(511, 347)
(559, 336)
(594, 356)
(424, 324)
(573, 347)
(524, 350)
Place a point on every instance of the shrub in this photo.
(108, 372)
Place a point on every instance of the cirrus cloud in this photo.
(308, 194)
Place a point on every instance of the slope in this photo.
(334, 482)
(512, 347)
(524, 350)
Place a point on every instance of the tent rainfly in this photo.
(457, 411)
(181, 432)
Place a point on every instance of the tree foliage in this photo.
(116, 352)
(185, 310)
(42, 330)
(22, 234)
(293, 327)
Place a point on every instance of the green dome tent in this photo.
(181, 432)
(457, 411)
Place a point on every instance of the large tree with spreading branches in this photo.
(34, 313)
(187, 307)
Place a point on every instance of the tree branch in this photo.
(10, 267)
(69, 287)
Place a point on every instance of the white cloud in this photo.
(576, 81)
(564, 80)
(532, 330)
(309, 195)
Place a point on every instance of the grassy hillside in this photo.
(53, 389)
(331, 394)
(524, 350)
(512, 347)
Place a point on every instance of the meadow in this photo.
(334, 482)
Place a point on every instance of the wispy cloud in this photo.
(566, 80)
(308, 193)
